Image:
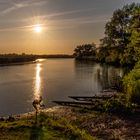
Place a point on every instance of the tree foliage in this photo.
(131, 84)
(135, 34)
(121, 36)
(85, 51)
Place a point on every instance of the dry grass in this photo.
(102, 125)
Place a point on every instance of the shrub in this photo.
(119, 105)
(131, 83)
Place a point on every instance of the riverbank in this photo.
(17, 63)
(66, 122)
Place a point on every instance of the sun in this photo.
(38, 28)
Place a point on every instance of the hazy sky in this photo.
(65, 23)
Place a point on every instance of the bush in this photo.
(119, 105)
(131, 83)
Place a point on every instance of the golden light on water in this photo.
(39, 60)
(37, 82)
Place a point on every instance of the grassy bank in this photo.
(66, 123)
(48, 127)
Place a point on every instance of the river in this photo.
(53, 79)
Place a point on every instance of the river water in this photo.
(53, 79)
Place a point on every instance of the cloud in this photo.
(54, 15)
(69, 12)
(19, 28)
(17, 5)
(57, 20)
(60, 24)
(12, 8)
(43, 17)
(80, 20)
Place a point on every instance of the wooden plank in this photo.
(108, 91)
(90, 98)
(73, 103)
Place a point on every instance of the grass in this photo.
(47, 128)
(67, 123)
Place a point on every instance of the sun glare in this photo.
(38, 28)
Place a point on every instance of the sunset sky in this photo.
(63, 24)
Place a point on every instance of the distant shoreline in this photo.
(17, 63)
(15, 59)
(31, 62)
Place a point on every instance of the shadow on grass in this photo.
(36, 133)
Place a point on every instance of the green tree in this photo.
(131, 84)
(85, 51)
(118, 35)
(132, 51)
(135, 34)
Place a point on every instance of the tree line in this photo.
(21, 58)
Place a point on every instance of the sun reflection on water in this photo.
(37, 82)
